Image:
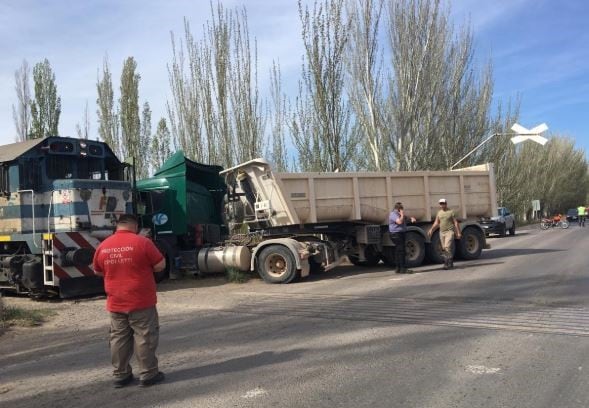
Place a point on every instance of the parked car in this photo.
(572, 215)
(500, 224)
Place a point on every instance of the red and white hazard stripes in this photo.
(64, 242)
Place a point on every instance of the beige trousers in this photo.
(446, 239)
(138, 332)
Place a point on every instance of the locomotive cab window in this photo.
(30, 174)
(60, 167)
(89, 168)
(4, 180)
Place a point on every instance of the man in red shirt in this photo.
(128, 261)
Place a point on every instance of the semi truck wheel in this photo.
(414, 249)
(276, 264)
(434, 249)
(471, 244)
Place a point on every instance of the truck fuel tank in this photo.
(218, 259)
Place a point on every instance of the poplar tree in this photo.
(321, 125)
(144, 144)
(21, 113)
(160, 145)
(46, 106)
(129, 113)
(108, 121)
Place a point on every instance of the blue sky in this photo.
(538, 47)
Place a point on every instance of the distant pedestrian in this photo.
(397, 231)
(582, 214)
(128, 261)
(446, 220)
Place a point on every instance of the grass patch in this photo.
(15, 316)
(234, 275)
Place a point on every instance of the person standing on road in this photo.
(448, 223)
(582, 215)
(397, 231)
(128, 261)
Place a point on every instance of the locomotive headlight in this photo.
(126, 195)
(85, 194)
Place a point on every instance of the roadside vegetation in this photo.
(21, 317)
(234, 275)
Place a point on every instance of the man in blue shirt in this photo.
(397, 231)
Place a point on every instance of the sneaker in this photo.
(121, 382)
(158, 378)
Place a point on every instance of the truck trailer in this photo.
(285, 226)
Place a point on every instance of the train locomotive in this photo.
(59, 198)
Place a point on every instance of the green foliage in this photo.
(108, 121)
(46, 106)
(556, 174)
(144, 143)
(129, 111)
(14, 316)
(160, 145)
(234, 275)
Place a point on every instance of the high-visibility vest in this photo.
(581, 210)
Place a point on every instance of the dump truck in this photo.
(288, 225)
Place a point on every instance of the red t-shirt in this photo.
(126, 260)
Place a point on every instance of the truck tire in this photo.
(471, 244)
(434, 249)
(512, 229)
(414, 249)
(370, 253)
(276, 264)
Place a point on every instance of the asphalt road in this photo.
(510, 329)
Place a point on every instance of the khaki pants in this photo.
(446, 239)
(134, 331)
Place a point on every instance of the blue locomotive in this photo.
(59, 197)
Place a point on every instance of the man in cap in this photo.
(446, 220)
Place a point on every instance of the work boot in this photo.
(122, 382)
(445, 263)
(399, 270)
(158, 378)
(450, 263)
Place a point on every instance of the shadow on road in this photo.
(235, 365)
(506, 252)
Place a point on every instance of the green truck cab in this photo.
(182, 207)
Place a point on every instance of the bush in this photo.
(15, 316)
(234, 275)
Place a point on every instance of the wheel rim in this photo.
(411, 250)
(276, 265)
(472, 244)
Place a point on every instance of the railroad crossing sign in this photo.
(529, 134)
